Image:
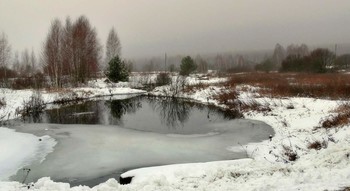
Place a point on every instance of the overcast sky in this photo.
(153, 27)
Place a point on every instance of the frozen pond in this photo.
(142, 113)
(101, 139)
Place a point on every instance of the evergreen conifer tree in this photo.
(117, 70)
(187, 66)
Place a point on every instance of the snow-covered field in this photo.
(293, 119)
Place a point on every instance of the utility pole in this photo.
(165, 63)
(335, 50)
(335, 54)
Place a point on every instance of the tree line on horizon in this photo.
(299, 59)
(72, 54)
(249, 62)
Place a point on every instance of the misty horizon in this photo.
(153, 28)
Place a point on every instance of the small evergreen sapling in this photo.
(117, 70)
(187, 66)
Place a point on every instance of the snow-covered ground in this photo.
(14, 99)
(294, 121)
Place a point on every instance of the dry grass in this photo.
(58, 90)
(337, 120)
(278, 85)
(332, 86)
(343, 108)
(317, 145)
(254, 106)
(2, 103)
(228, 98)
(194, 88)
(290, 153)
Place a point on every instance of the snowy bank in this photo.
(14, 99)
(294, 121)
(21, 149)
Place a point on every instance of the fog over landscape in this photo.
(153, 27)
(174, 95)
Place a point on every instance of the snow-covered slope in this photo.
(268, 168)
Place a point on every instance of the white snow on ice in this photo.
(108, 149)
(21, 149)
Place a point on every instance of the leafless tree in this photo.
(52, 53)
(177, 86)
(279, 55)
(16, 63)
(86, 50)
(33, 62)
(220, 63)
(25, 64)
(113, 46)
(301, 50)
(67, 52)
(71, 51)
(304, 50)
(5, 53)
(202, 64)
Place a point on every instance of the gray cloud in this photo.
(152, 27)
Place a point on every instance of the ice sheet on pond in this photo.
(86, 152)
(12, 155)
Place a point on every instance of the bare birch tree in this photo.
(16, 63)
(67, 53)
(52, 53)
(86, 50)
(278, 56)
(5, 53)
(71, 52)
(25, 64)
(113, 46)
(32, 63)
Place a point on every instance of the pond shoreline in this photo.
(268, 169)
(203, 134)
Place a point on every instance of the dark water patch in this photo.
(141, 113)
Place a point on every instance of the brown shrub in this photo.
(317, 145)
(163, 78)
(32, 108)
(338, 120)
(343, 108)
(290, 153)
(254, 106)
(26, 82)
(332, 85)
(194, 88)
(228, 98)
(2, 102)
(290, 106)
